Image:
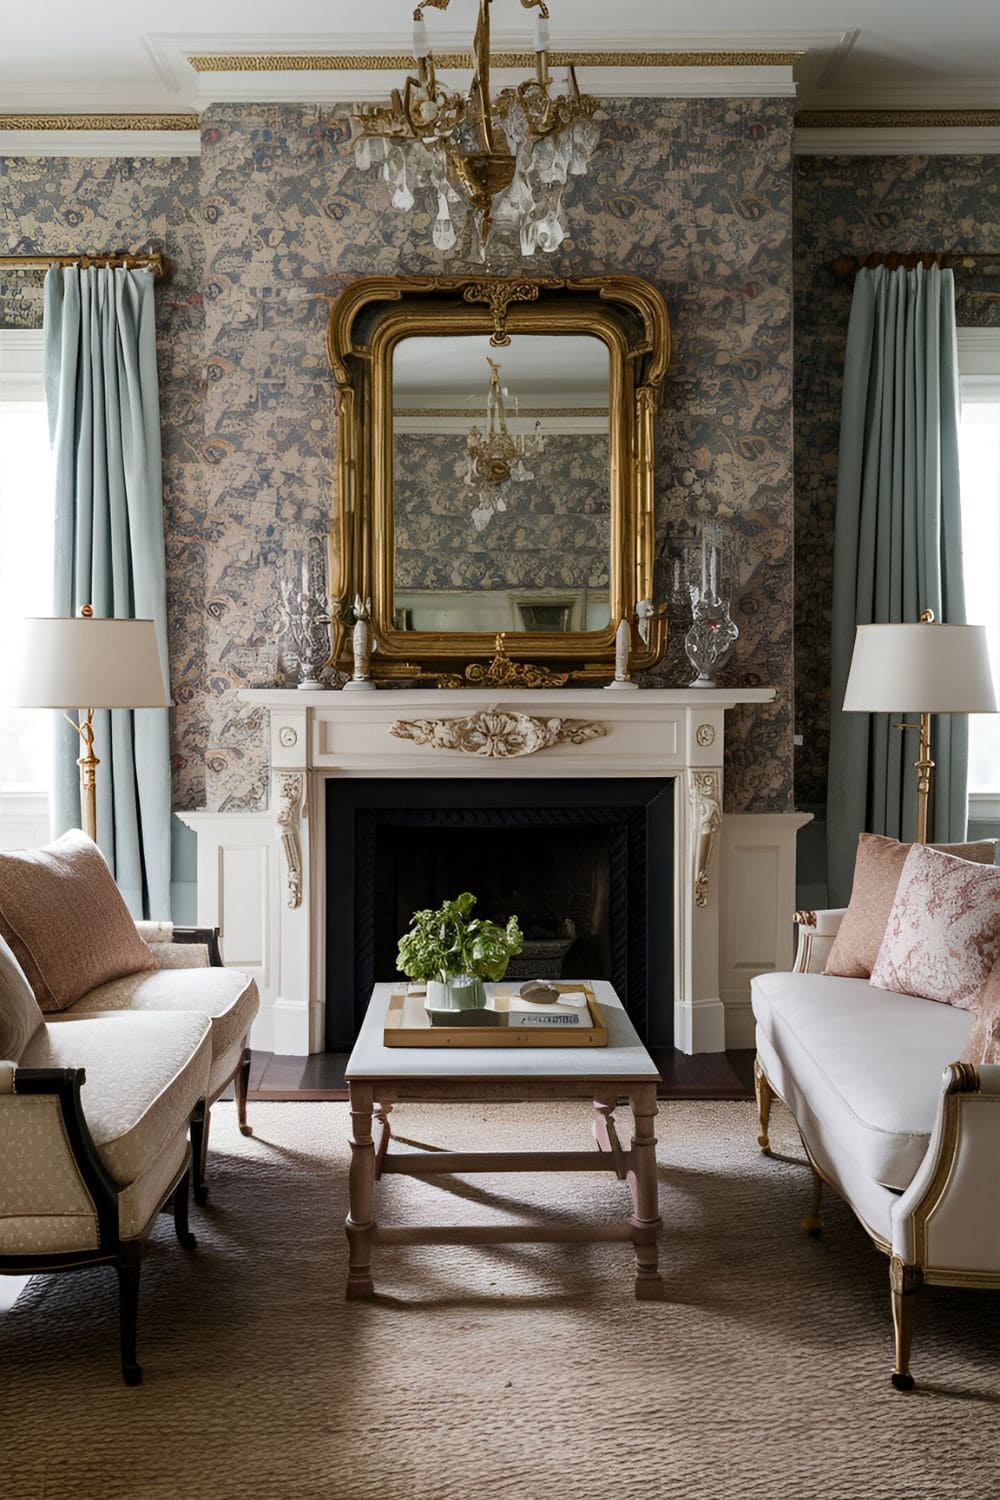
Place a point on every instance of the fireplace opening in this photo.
(586, 865)
(555, 879)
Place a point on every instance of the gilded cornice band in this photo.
(100, 122)
(348, 62)
(897, 119)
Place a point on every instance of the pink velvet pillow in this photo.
(877, 868)
(65, 920)
(943, 933)
(983, 1045)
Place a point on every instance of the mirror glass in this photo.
(501, 481)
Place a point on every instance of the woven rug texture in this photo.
(506, 1373)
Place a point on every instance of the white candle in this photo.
(704, 564)
(421, 48)
(541, 34)
(713, 574)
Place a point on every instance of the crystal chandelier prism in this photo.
(506, 159)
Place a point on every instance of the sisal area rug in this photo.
(511, 1373)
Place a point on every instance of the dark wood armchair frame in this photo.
(240, 1077)
(124, 1255)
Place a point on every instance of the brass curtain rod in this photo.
(155, 261)
(846, 266)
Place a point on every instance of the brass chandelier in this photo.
(508, 159)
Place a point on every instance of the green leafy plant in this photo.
(447, 943)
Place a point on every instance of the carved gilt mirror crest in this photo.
(495, 475)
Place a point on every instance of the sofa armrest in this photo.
(817, 930)
(44, 1123)
(182, 947)
(948, 1219)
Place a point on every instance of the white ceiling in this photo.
(865, 54)
(534, 368)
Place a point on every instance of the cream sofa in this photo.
(909, 1137)
(97, 1105)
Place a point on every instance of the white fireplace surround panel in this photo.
(262, 876)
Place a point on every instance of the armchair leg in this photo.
(813, 1223)
(128, 1265)
(242, 1084)
(765, 1095)
(184, 1235)
(905, 1282)
(199, 1150)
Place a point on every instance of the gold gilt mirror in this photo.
(495, 475)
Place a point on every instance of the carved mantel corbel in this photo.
(291, 793)
(706, 806)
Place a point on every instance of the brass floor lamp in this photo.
(64, 663)
(924, 668)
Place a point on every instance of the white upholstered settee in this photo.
(97, 1102)
(907, 1135)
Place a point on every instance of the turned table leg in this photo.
(361, 1183)
(385, 1136)
(646, 1222)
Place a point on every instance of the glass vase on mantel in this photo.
(713, 633)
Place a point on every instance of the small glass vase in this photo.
(713, 633)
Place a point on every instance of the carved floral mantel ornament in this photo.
(497, 735)
(291, 798)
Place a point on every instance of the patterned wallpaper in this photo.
(267, 227)
(854, 205)
(554, 533)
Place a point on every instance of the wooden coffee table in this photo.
(621, 1073)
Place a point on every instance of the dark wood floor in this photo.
(707, 1075)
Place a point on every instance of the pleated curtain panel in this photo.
(104, 415)
(897, 549)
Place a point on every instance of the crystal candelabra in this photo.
(306, 616)
(507, 159)
(713, 633)
(496, 457)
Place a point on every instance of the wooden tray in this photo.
(407, 1025)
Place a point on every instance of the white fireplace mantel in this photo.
(262, 876)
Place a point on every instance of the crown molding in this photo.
(936, 119)
(50, 140)
(135, 122)
(897, 141)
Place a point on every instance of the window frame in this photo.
(979, 380)
(24, 813)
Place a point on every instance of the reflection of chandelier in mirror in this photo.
(507, 158)
(495, 454)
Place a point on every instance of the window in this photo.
(25, 577)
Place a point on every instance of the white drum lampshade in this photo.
(84, 663)
(925, 669)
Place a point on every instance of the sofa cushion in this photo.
(943, 933)
(877, 868)
(20, 1016)
(227, 997)
(65, 919)
(145, 1073)
(868, 1061)
(983, 1045)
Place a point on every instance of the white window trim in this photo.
(979, 380)
(22, 354)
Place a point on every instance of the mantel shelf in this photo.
(652, 700)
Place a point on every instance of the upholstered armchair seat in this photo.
(145, 1074)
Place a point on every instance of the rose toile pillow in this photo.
(65, 920)
(20, 1016)
(943, 933)
(983, 1045)
(877, 868)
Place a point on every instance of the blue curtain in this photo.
(897, 549)
(104, 414)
